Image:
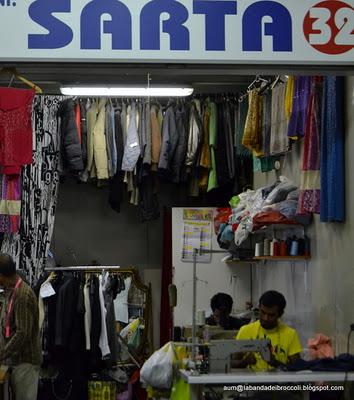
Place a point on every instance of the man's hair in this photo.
(7, 265)
(273, 298)
(221, 301)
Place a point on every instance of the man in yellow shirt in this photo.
(285, 343)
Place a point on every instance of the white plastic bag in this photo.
(157, 370)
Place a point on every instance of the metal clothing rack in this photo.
(84, 268)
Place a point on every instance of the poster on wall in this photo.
(197, 231)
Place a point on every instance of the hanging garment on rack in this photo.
(205, 163)
(30, 248)
(309, 199)
(155, 137)
(177, 162)
(99, 141)
(71, 153)
(15, 129)
(222, 166)
(109, 136)
(10, 203)
(229, 134)
(194, 133)
(290, 87)
(332, 151)
(169, 142)
(132, 148)
(297, 122)
(121, 303)
(213, 179)
(83, 125)
(252, 136)
(103, 340)
(147, 144)
(91, 117)
(279, 141)
(88, 316)
(266, 122)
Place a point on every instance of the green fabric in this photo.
(257, 164)
(234, 201)
(180, 390)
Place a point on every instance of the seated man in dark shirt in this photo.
(221, 305)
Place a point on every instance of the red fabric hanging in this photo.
(15, 129)
(166, 279)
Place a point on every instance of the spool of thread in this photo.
(258, 252)
(200, 317)
(266, 247)
(294, 248)
(276, 250)
(282, 248)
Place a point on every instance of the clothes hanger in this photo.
(13, 72)
(258, 79)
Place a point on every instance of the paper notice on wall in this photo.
(196, 235)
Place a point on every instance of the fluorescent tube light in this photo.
(131, 91)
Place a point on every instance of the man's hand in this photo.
(243, 360)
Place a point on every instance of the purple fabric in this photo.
(10, 189)
(302, 91)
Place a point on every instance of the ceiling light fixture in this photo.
(128, 91)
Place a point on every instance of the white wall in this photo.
(220, 277)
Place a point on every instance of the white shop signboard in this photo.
(185, 31)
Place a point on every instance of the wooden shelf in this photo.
(282, 258)
(270, 258)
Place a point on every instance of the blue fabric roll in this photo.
(332, 151)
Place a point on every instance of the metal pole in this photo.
(194, 311)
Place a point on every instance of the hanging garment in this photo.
(39, 192)
(71, 153)
(103, 341)
(121, 303)
(155, 137)
(147, 143)
(194, 133)
(205, 162)
(99, 141)
(109, 137)
(116, 183)
(266, 122)
(290, 87)
(15, 129)
(309, 199)
(332, 151)
(169, 142)
(132, 148)
(83, 128)
(91, 117)
(213, 140)
(114, 144)
(10, 203)
(88, 317)
(229, 134)
(297, 122)
(222, 167)
(109, 294)
(279, 140)
(181, 148)
(252, 136)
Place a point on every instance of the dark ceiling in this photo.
(204, 78)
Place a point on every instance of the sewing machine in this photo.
(220, 352)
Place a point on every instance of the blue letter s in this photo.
(60, 34)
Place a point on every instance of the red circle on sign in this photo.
(331, 47)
